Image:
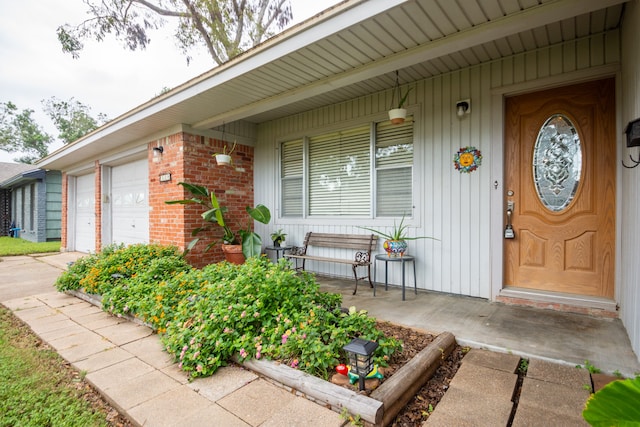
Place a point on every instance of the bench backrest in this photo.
(362, 242)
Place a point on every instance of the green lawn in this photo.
(36, 389)
(11, 246)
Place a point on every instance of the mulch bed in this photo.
(425, 401)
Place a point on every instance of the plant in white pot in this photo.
(396, 241)
(224, 158)
(397, 113)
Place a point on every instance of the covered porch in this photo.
(561, 337)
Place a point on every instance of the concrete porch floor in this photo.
(565, 338)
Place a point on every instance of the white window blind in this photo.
(339, 173)
(336, 169)
(292, 169)
(394, 168)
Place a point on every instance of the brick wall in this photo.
(188, 158)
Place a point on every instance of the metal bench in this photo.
(363, 244)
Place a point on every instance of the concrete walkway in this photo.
(127, 364)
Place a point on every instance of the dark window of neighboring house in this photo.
(32, 207)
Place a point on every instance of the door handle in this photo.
(508, 231)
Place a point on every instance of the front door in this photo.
(560, 167)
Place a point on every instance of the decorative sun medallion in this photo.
(467, 159)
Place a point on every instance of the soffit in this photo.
(358, 46)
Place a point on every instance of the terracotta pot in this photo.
(233, 254)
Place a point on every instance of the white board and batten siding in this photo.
(455, 207)
(628, 284)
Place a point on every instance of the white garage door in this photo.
(129, 203)
(85, 214)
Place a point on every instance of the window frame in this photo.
(411, 217)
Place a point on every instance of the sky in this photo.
(107, 77)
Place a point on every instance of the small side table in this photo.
(387, 259)
(279, 250)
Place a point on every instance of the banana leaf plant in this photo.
(251, 241)
(616, 404)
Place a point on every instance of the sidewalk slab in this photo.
(125, 371)
(490, 359)
(124, 333)
(302, 412)
(223, 382)
(19, 304)
(81, 352)
(478, 395)
(127, 394)
(569, 376)
(150, 350)
(39, 312)
(80, 309)
(51, 323)
(464, 407)
(542, 403)
(58, 299)
(161, 410)
(256, 402)
(99, 320)
(102, 359)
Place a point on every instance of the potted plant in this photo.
(224, 158)
(396, 243)
(397, 113)
(243, 242)
(278, 237)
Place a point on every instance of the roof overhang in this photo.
(348, 51)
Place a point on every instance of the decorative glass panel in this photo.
(557, 162)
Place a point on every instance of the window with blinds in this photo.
(341, 176)
(340, 173)
(291, 178)
(394, 168)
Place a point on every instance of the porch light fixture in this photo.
(360, 353)
(463, 107)
(157, 151)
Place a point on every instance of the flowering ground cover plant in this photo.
(207, 316)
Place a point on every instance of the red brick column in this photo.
(98, 204)
(65, 213)
(189, 158)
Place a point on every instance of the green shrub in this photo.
(115, 263)
(150, 294)
(261, 310)
(206, 317)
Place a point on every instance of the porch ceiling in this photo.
(348, 51)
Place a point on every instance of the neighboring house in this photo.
(549, 87)
(8, 171)
(31, 201)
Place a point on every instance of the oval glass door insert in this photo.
(557, 162)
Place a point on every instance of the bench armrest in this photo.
(363, 257)
(298, 250)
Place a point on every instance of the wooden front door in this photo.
(560, 166)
